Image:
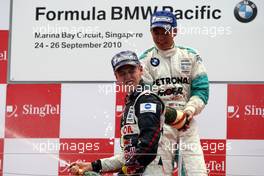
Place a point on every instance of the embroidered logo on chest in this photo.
(154, 61)
(186, 66)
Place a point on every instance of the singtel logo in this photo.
(30, 109)
(249, 110)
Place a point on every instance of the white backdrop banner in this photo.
(67, 40)
(4, 14)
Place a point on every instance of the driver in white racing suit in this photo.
(179, 78)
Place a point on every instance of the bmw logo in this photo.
(154, 61)
(245, 11)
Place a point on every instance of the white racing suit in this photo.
(141, 127)
(180, 80)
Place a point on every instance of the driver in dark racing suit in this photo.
(141, 125)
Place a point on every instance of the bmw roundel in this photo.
(245, 11)
(154, 61)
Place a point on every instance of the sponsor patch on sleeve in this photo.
(148, 107)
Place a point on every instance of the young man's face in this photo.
(162, 38)
(129, 76)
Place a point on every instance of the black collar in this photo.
(132, 97)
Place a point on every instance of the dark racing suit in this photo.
(141, 127)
